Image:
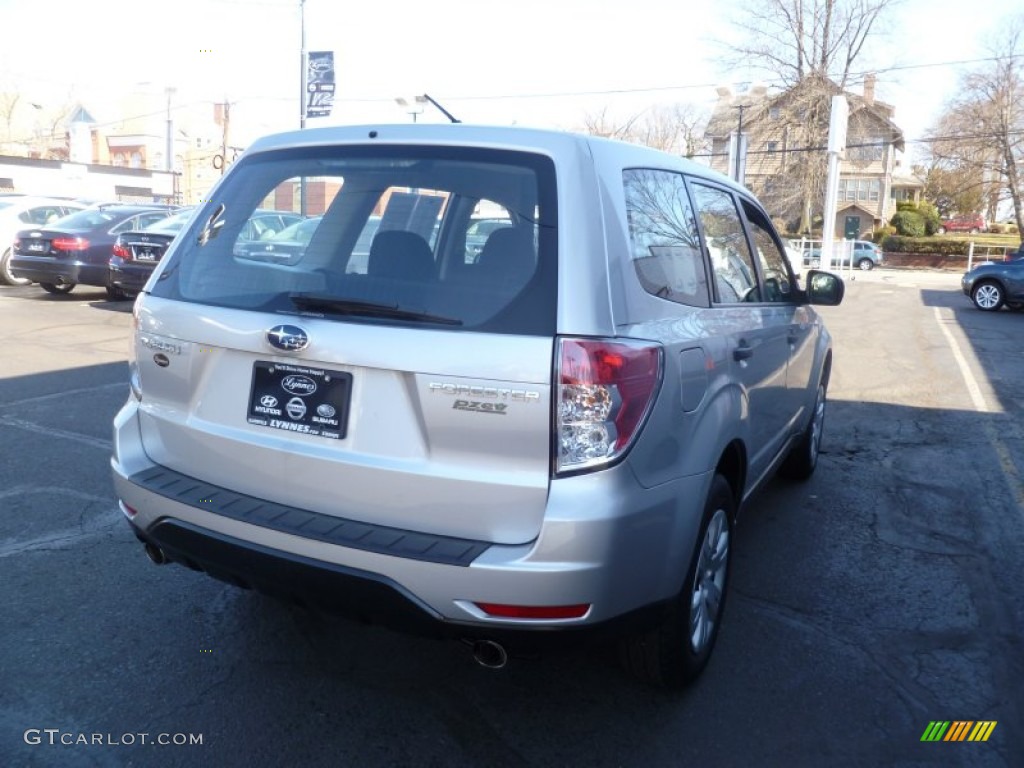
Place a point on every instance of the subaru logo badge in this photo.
(290, 338)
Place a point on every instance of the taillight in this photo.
(69, 243)
(605, 391)
(122, 252)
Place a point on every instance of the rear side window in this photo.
(733, 269)
(382, 239)
(663, 234)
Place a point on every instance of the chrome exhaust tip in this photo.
(154, 553)
(490, 654)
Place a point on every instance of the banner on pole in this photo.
(319, 83)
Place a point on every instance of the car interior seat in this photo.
(397, 253)
(508, 257)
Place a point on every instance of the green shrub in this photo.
(909, 223)
(882, 232)
(932, 219)
(925, 245)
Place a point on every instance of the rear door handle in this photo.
(743, 351)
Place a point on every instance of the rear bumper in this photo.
(42, 269)
(606, 542)
(128, 277)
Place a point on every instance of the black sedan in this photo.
(80, 249)
(136, 253)
(994, 284)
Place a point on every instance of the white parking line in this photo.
(28, 426)
(1006, 463)
(972, 383)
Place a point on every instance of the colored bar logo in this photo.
(958, 730)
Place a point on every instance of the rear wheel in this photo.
(677, 651)
(5, 271)
(865, 265)
(58, 288)
(802, 461)
(988, 296)
(116, 294)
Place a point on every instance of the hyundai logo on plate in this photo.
(290, 338)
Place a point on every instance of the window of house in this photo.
(773, 147)
(773, 113)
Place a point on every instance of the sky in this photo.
(546, 63)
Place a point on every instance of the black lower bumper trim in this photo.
(358, 594)
(413, 545)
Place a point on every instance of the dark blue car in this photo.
(78, 249)
(993, 285)
(137, 252)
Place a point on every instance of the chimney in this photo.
(869, 89)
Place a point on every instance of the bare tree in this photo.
(8, 105)
(793, 39)
(810, 47)
(980, 137)
(675, 128)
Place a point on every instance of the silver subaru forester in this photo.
(546, 436)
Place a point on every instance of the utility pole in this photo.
(836, 149)
(738, 158)
(225, 124)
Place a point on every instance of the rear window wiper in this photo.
(369, 308)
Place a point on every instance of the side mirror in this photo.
(824, 288)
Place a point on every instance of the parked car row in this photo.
(114, 246)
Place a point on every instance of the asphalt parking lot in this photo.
(885, 594)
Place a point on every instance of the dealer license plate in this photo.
(298, 398)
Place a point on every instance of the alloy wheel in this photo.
(709, 581)
(988, 296)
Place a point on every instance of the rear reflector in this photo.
(534, 611)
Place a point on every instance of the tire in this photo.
(58, 288)
(6, 278)
(988, 296)
(865, 265)
(676, 652)
(803, 459)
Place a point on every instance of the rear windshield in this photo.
(388, 235)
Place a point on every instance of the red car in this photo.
(974, 224)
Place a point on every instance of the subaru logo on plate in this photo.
(290, 338)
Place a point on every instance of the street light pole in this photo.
(302, 96)
(169, 151)
(303, 67)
